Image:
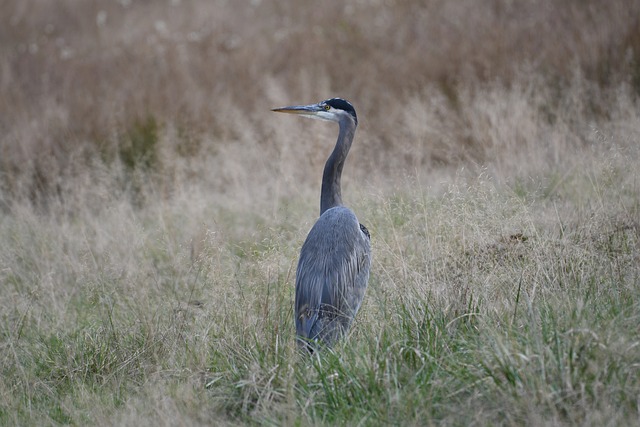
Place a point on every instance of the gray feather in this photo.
(332, 276)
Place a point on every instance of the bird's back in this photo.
(332, 275)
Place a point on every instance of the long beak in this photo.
(304, 110)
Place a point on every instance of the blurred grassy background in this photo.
(155, 83)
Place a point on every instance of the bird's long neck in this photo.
(331, 194)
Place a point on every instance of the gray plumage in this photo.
(333, 269)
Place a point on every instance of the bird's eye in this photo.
(326, 107)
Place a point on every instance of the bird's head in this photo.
(333, 110)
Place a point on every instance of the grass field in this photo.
(152, 209)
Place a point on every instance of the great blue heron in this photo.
(333, 269)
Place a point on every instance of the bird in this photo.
(335, 259)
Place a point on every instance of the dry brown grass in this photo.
(77, 78)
